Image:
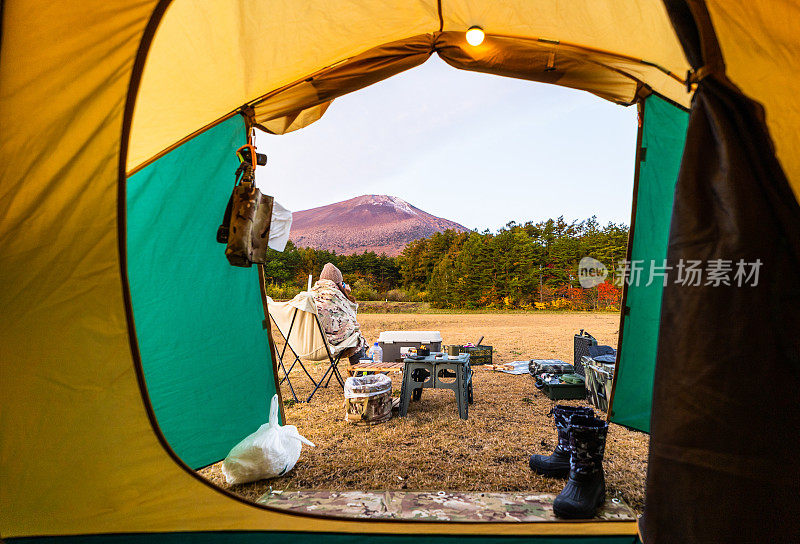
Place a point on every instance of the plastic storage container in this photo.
(599, 380)
(392, 342)
(368, 399)
(565, 391)
(478, 355)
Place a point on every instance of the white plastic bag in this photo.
(367, 386)
(271, 451)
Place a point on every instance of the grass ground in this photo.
(432, 449)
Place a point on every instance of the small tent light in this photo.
(475, 36)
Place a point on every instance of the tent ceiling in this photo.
(208, 59)
(637, 29)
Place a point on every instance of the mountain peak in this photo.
(379, 223)
(394, 202)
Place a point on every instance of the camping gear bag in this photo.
(269, 452)
(248, 234)
(581, 343)
(550, 366)
(245, 224)
(599, 380)
(368, 399)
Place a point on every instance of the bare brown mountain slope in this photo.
(379, 223)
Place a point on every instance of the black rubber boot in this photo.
(557, 463)
(586, 487)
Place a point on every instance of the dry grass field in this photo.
(432, 449)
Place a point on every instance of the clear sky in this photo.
(478, 149)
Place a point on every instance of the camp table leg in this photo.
(461, 392)
(416, 394)
(459, 386)
(405, 390)
(470, 396)
(412, 386)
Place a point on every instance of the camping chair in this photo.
(298, 322)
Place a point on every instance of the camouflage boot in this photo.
(586, 488)
(557, 463)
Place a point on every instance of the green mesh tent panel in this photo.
(663, 137)
(205, 357)
(316, 538)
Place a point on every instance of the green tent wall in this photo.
(205, 357)
(662, 141)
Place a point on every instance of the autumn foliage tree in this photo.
(533, 265)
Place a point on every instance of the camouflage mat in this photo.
(433, 505)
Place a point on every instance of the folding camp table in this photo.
(427, 373)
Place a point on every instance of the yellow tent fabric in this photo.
(77, 451)
(219, 55)
(760, 46)
(209, 59)
(603, 74)
(303, 100)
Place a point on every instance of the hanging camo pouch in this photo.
(245, 225)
